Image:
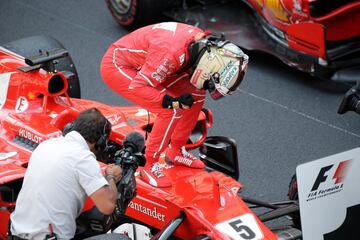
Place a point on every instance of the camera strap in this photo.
(52, 235)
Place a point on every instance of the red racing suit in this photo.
(145, 65)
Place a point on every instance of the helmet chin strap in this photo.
(209, 85)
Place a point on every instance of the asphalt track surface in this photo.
(279, 118)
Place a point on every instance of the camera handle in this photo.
(126, 191)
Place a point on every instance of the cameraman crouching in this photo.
(62, 172)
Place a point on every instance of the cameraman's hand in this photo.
(115, 171)
(105, 197)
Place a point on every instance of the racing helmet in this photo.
(218, 66)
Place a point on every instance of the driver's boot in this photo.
(153, 175)
(181, 157)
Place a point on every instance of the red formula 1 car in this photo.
(316, 36)
(39, 96)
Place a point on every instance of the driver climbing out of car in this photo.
(166, 68)
(61, 174)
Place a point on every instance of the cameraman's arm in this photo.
(105, 198)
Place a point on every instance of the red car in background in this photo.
(320, 37)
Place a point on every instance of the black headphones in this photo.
(68, 128)
(102, 141)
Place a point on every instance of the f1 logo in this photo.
(321, 177)
(338, 176)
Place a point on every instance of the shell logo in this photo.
(276, 8)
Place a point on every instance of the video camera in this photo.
(351, 100)
(128, 158)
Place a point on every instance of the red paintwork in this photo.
(311, 42)
(340, 24)
(206, 198)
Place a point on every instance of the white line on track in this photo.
(300, 113)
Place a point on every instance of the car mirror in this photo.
(220, 153)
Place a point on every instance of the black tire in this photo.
(133, 14)
(294, 196)
(112, 236)
(30, 46)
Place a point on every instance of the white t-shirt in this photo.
(62, 172)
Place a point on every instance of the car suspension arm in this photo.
(279, 209)
(170, 228)
(276, 213)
